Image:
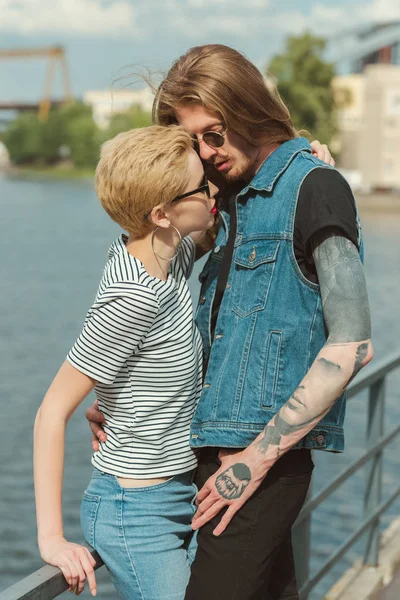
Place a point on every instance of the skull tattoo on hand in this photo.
(232, 482)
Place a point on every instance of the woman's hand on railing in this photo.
(75, 562)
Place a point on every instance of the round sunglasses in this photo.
(214, 139)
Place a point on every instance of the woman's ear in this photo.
(159, 218)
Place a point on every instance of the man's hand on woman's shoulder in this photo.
(321, 151)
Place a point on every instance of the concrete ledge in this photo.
(363, 582)
(378, 202)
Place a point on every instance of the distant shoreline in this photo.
(49, 173)
(378, 202)
(388, 202)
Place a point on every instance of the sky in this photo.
(109, 39)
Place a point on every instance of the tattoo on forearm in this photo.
(297, 399)
(272, 434)
(343, 288)
(328, 364)
(232, 482)
(361, 355)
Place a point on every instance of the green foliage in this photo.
(31, 141)
(23, 138)
(52, 136)
(84, 140)
(305, 83)
(69, 129)
(131, 119)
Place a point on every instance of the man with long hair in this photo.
(284, 319)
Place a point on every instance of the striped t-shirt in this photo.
(141, 345)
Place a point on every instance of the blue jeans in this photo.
(142, 534)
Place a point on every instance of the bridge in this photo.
(26, 106)
(55, 56)
(353, 49)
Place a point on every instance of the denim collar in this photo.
(276, 164)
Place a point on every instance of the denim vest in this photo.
(270, 325)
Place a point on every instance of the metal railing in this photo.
(45, 584)
(48, 582)
(376, 441)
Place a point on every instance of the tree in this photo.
(83, 137)
(69, 131)
(84, 140)
(130, 119)
(70, 127)
(22, 138)
(304, 82)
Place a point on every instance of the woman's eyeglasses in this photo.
(214, 139)
(204, 187)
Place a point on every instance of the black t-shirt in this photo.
(325, 200)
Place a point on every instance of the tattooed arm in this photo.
(347, 349)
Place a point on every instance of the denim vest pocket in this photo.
(271, 369)
(254, 266)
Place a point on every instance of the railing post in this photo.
(301, 541)
(372, 498)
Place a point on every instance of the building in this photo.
(369, 125)
(4, 158)
(349, 93)
(106, 103)
(369, 117)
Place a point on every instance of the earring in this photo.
(178, 248)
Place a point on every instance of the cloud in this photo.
(199, 18)
(88, 17)
(326, 20)
(383, 11)
(229, 3)
(192, 28)
(189, 19)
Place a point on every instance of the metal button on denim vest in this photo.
(270, 325)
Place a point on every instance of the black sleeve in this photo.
(325, 200)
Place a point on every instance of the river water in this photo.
(53, 243)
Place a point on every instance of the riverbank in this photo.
(372, 202)
(379, 202)
(54, 173)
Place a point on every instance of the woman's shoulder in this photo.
(124, 275)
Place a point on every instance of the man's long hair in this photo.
(228, 86)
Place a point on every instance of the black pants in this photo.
(253, 558)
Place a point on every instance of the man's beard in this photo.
(239, 172)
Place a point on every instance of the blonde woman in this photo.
(140, 350)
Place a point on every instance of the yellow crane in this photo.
(54, 54)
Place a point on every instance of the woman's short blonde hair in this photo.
(140, 169)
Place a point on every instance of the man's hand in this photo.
(239, 476)
(75, 562)
(321, 151)
(96, 421)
